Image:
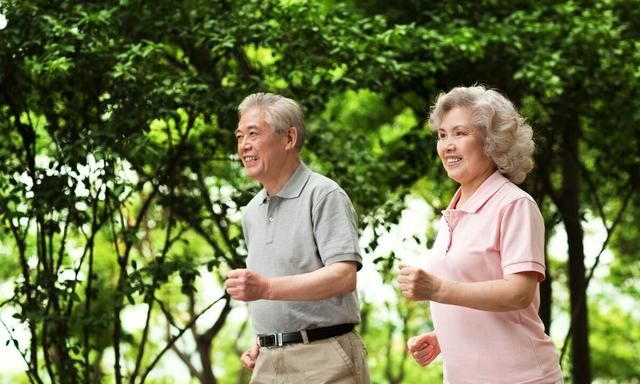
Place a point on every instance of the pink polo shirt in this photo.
(498, 231)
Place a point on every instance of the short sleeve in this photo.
(522, 238)
(335, 229)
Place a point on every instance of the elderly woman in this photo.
(483, 272)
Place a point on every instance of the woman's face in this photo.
(461, 149)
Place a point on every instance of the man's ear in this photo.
(292, 137)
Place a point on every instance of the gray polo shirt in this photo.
(310, 223)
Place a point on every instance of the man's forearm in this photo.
(330, 281)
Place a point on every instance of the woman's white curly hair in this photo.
(508, 138)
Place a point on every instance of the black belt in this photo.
(280, 339)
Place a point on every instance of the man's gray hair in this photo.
(281, 113)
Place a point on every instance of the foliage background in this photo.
(120, 187)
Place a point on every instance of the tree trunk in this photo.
(546, 294)
(581, 364)
(537, 188)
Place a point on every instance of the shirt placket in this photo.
(272, 206)
(451, 217)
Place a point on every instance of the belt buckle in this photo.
(272, 341)
(278, 339)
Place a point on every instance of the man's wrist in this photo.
(267, 293)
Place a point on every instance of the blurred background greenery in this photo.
(120, 188)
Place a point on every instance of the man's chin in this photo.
(252, 173)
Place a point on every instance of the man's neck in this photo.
(288, 169)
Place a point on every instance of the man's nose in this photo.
(243, 142)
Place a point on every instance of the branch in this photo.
(605, 243)
(223, 229)
(548, 186)
(151, 293)
(243, 63)
(186, 359)
(30, 371)
(593, 191)
(243, 327)
(610, 230)
(217, 326)
(175, 338)
(63, 242)
(122, 262)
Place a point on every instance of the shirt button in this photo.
(271, 219)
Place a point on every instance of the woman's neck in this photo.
(468, 189)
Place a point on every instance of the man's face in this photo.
(261, 150)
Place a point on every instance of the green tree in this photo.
(572, 67)
(118, 183)
(117, 121)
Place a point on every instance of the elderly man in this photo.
(301, 234)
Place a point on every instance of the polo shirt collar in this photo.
(296, 182)
(294, 185)
(487, 189)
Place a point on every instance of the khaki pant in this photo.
(337, 360)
